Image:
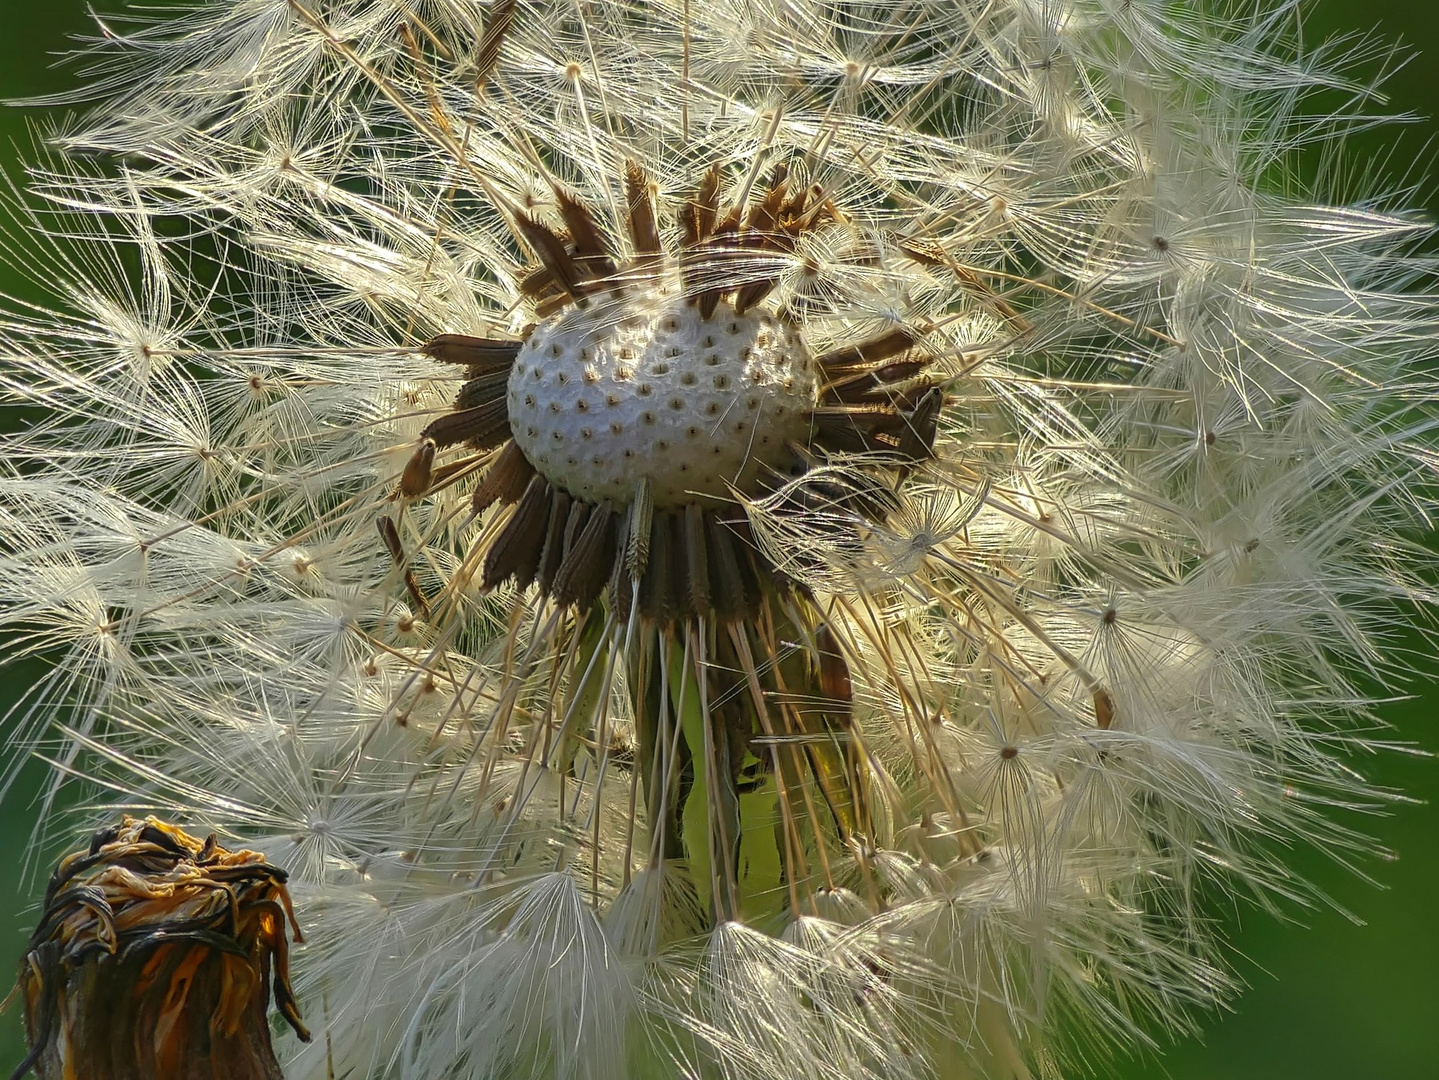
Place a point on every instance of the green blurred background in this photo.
(1328, 999)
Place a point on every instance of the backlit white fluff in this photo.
(1101, 634)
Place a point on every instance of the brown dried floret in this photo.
(154, 960)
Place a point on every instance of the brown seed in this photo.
(482, 388)
(497, 24)
(696, 560)
(484, 426)
(867, 352)
(550, 250)
(480, 354)
(505, 480)
(588, 560)
(516, 551)
(419, 471)
(656, 602)
(554, 549)
(917, 440)
(834, 681)
(639, 197)
(391, 537)
(1103, 708)
(639, 526)
(588, 243)
(698, 217)
(732, 591)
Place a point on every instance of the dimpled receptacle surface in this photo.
(602, 396)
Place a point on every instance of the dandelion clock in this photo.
(741, 540)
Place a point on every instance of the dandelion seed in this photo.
(756, 540)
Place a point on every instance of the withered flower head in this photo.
(153, 961)
(743, 540)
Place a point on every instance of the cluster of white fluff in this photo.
(1108, 649)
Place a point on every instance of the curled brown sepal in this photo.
(154, 960)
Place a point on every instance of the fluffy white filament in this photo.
(1108, 648)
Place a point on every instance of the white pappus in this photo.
(740, 539)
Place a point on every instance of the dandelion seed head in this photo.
(740, 539)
